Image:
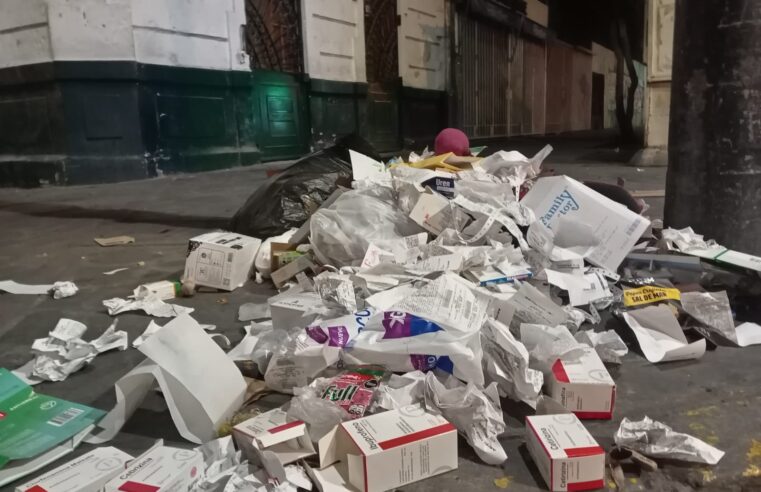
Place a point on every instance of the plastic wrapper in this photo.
(506, 362)
(341, 233)
(288, 199)
(320, 415)
(398, 340)
(658, 440)
(337, 291)
(476, 413)
(354, 389)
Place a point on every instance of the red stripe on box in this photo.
(559, 371)
(416, 436)
(287, 426)
(37, 488)
(594, 415)
(581, 452)
(547, 452)
(137, 487)
(594, 484)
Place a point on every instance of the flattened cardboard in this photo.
(568, 457)
(88, 473)
(160, 469)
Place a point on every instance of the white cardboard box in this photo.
(272, 441)
(388, 450)
(160, 469)
(88, 473)
(583, 386)
(288, 309)
(617, 227)
(221, 260)
(567, 455)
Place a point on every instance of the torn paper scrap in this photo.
(12, 287)
(251, 311)
(657, 440)
(659, 335)
(609, 346)
(114, 241)
(748, 334)
(151, 305)
(506, 362)
(201, 386)
(364, 167)
(61, 290)
(476, 413)
(114, 271)
(582, 289)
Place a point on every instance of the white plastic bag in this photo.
(341, 233)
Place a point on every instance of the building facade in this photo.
(108, 90)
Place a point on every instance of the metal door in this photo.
(382, 65)
(273, 41)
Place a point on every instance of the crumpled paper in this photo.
(221, 462)
(546, 344)
(506, 362)
(657, 440)
(401, 391)
(476, 413)
(64, 352)
(151, 305)
(608, 345)
(686, 239)
(61, 290)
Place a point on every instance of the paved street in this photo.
(48, 235)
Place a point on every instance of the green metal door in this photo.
(282, 131)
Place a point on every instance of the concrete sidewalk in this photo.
(48, 235)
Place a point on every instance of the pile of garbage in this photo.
(412, 298)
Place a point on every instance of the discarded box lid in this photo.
(288, 310)
(567, 455)
(271, 440)
(88, 473)
(160, 469)
(391, 449)
(617, 227)
(583, 386)
(220, 260)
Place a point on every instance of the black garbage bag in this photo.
(289, 198)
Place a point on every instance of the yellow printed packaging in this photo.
(649, 294)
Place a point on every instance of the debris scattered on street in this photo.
(410, 301)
